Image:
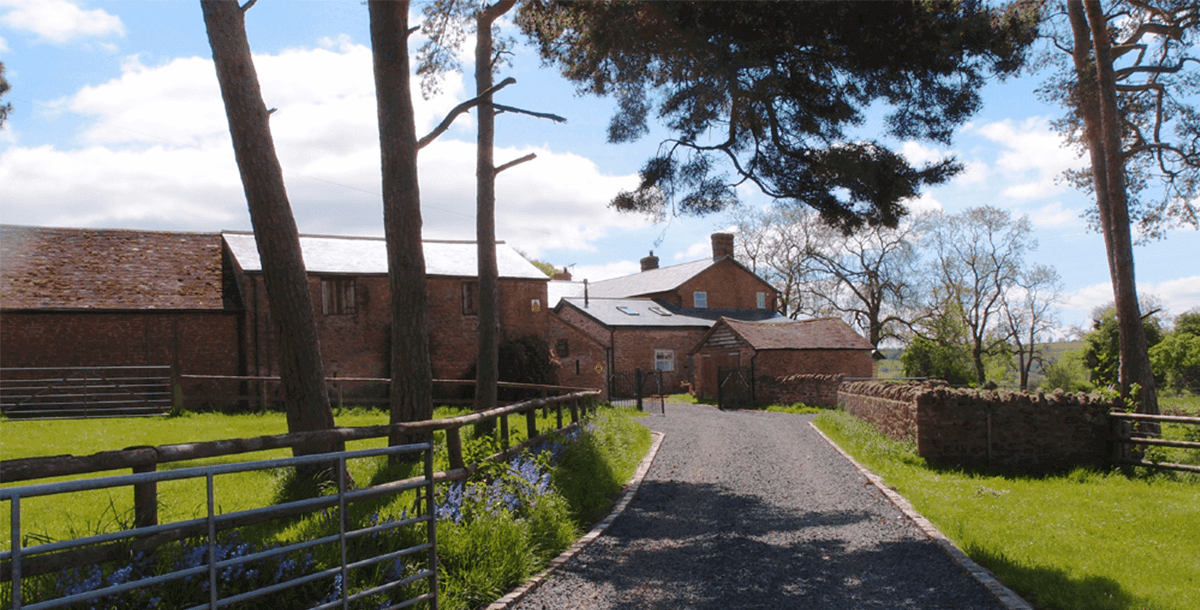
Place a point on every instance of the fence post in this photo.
(454, 448)
(504, 431)
(145, 495)
(720, 387)
(574, 410)
(639, 383)
(531, 422)
(558, 414)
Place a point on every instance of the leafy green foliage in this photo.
(594, 469)
(1066, 372)
(1176, 361)
(773, 90)
(1101, 350)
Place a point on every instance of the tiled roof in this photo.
(50, 268)
(368, 256)
(822, 333)
(649, 282)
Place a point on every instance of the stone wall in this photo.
(984, 428)
(792, 389)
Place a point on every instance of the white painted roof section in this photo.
(559, 290)
(368, 256)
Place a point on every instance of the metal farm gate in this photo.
(637, 389)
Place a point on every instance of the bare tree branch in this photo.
(459, 109)
(541, 115)
(529, 157)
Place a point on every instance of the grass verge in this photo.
(494, 532)
(1083, 540)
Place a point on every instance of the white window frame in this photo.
(762, 300)
(700, 299)
(664, 360)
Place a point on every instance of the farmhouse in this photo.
(651, 321)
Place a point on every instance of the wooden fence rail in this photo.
(85, 392)
(1126, 438)
(147, 459)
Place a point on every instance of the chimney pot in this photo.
(650, 262)
(722, 245)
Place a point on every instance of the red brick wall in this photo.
(356, 345)
(845, 362)
(634, 348)
(197, 343)
(728, 285)
(985, 428)
(586, 362)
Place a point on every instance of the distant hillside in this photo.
(890, 367)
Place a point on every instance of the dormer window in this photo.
(700, 300)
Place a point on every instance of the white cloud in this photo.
(1055, 215)
(1177, 296)
(59, 21)
(923, 203)
(596, 273)
(920, 154)
(1032, 159)
(3, 45)
(159, 156)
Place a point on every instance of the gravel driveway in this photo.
(745, 509)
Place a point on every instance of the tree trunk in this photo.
(1102, 122)
(411, 396)
(302, 377)
(487, 371)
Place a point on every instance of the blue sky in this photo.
(118, 123)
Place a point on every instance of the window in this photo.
(762, 300)
(664, 360)
(535, 305)
(700, 300)
(563, 349)
(337, 296)
(627, 311)
(660, 311)
(470, 298)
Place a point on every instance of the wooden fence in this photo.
(147, 459)
(85, 392)
(1128, 439)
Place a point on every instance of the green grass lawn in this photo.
(97, 511)
(483, 555)
(1085, 540)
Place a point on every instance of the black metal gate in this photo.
(637, 389)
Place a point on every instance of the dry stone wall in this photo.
(1012, 431)
(792, 389)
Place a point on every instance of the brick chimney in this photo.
(722, 245)
(561, 276)
(650, 262)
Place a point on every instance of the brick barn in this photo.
(352, 301)
(82, 297)
(824, 346)
(196, 301)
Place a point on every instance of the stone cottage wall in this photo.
(985, 428)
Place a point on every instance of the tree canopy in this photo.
(774, 89)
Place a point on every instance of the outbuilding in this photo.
(735, 357)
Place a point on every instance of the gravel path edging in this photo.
(631, 489)
(985, 577)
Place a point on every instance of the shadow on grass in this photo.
(1059, 590)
